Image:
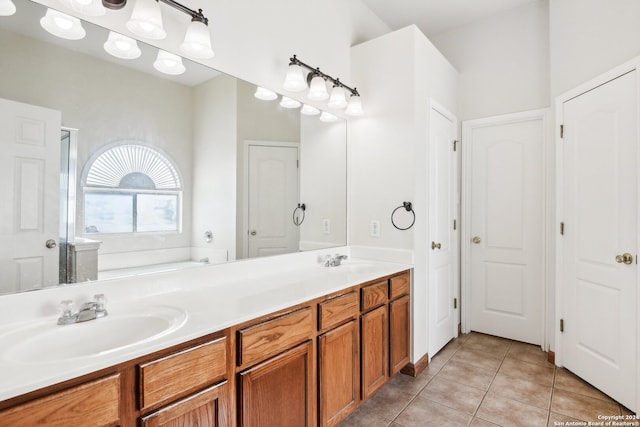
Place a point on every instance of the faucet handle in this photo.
(101, 303)
(66, 312)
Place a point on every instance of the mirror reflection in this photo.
(111, 168)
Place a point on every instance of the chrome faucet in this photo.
(334, 261)
(88, 311)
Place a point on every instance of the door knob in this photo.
(476, 239)
(50, 243)
(253, 232)
(626, 258)
(435, 245)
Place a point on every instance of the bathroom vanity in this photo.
(276, 351)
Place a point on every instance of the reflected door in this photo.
(599, 198)
(29, 190)
(506, 231)
(273, 195)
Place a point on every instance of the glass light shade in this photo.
(168, 63)
(62, 25)
(7, 8)
(354, 107)
(86, 7)
(289, 103)
(122, 46)
(197, 41)
(295, 81)
(327, 117)
(265, 94)
(318, 89)
(338, 98)
(309, 110)
(146, 20)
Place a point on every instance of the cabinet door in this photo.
(399, 333)
(280, 391)
(205, 409)
(375, 344)
(338, 357)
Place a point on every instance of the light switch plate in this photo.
(374, 228)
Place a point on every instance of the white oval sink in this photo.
(42, 341)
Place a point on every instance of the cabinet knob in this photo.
(476, 240)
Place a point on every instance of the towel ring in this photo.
(409, 208)
(303, 208)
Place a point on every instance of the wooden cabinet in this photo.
(96, 403)
(399, 334)
(374, 339)
(204, 409)
(279, 391)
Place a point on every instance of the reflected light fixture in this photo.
(265, 94)
(7, 8)
(309, 110)
(86, 7)
(62, 25)
(317, 83)
(168, 63)
(122, 46)
(327, 117)
(287, 102)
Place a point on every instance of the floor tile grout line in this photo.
(489, 388)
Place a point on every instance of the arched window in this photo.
(131, 188)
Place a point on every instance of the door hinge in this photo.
(562, 228)
(561, 131)
(455, 224)
(455, 143)
(561, 325)
(455, 303)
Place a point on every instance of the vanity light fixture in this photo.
(287, 102)
(265, 94)
(327, 117)
(309, 110)
(317, 83)
(122, 46)
(146, 21)
(7, 8)
(62, 25)
(168, 63)
(86, 7)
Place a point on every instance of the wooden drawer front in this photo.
(337, 310)
(96, 403)
(373, 295)
(273, 336)
(400, 285)
(175, 375)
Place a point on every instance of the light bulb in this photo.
(289, 103)
(295, 81)
(327, 117)
(197, 41)
(7, 8)
(354, 107)
(62, 25)
(122, 46)
(86, 7)
(309, 110)
(318, 89)
(265, 94)
(168, 63)
(146, 20)
(337, 98)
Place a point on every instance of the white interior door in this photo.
(273, 196)
(29, 190)
(443, 288)
(505, 228)
(599, 210)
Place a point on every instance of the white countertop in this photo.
(213, 297)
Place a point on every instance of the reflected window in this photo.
(131, 188)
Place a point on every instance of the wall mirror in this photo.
(111, 168)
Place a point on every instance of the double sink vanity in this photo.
(278, 342)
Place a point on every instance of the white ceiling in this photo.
(436, 16)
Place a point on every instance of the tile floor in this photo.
(479, 380)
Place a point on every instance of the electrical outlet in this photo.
(326, 226)
(374, 228)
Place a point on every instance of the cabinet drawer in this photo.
(337, 310)
(175, 375)
(373, 295)
(273, 336)
(400, 285)
(96, 402)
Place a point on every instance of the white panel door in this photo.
(442, 243)
(29, 190)
(273, 196)
(599, 199)
(506, 227)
